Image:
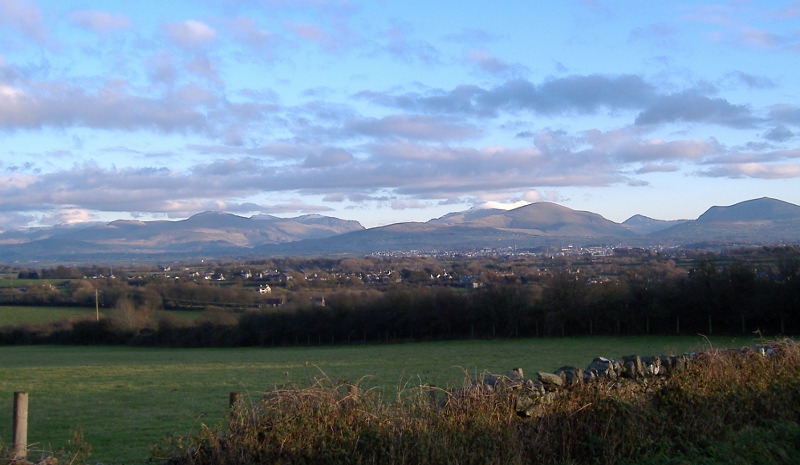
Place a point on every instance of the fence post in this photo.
(20, 434)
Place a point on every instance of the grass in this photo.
(30, 316)
(125, 400)
(17, 316)
(727, 406)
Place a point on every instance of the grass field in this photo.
(125, 399)
(19, 315)
(26, 315)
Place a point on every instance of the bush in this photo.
(725, 399)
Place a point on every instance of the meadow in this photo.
(124, 400)
(19, 315)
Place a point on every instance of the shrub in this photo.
(725, 397)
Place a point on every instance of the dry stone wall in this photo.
(532, 393)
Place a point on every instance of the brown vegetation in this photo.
(728, 406)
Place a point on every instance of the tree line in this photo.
(740, 292)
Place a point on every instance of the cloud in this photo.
(61, 104)
(750, 80)
(407, 172)
(24, 16)
(328, 158)
(581, 94)
(585, 94)
(472, 36)
(486, 62)
(201, 65)
(183, 109)
(504, 205)
(309, 32)
(657, 168)
(759, 38)
(190, 34)
(408, 204)
(626, 145)
(409, 50)
(99, 22)
(755, 170)
(161, 69)
(419, 127)
(780, 134)
(336, 39)
(692, 107)
(246, 31)
(785, 114)
(70, 216)
(747, 157)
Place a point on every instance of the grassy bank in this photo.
(126, 399)
(726, 407)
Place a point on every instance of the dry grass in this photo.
(722, 393)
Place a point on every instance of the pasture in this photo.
(18, 315)
(21, 315)
(124, 399)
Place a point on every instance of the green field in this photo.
(25, 315)
(20, 315)
(125, 399)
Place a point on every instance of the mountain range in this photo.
(541, 224)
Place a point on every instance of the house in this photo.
(264, 289)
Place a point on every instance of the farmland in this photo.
(167, 346)
(125, 399)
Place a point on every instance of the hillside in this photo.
(204, 234)
(542, 224)
(641, 224)
(757, 221)
(541, 218)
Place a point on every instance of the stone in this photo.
(679, 362)
(515, 374)
(572, 375)
(632, 367)
(666, 364)
(652, 365)
(601, 367)
(550, 380)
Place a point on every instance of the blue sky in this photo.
(389, 111)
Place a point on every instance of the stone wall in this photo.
(532, 393)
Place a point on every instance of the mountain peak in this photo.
(762, 209)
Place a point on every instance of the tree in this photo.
(126, 318)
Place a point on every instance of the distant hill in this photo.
(641, 224)
(763, 209)
(541, 218)
(542, 224)
(757, 221)
(204, 234)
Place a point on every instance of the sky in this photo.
(386, 111)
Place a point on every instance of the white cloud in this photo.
(69, 216)
(504, 205)
(191, 33)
